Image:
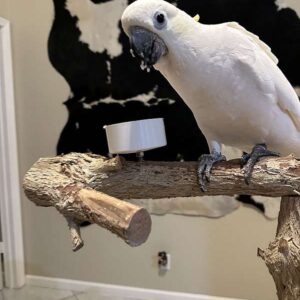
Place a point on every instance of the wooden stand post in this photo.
(283, 255)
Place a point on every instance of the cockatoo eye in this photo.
(160, 20)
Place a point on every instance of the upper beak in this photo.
(147, 45)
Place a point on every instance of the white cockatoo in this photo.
(226, 75)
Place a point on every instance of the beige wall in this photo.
(4, 8)
(290, 3)
(216, 257)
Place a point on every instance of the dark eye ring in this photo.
(160, 18)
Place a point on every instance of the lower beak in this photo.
(147, 45)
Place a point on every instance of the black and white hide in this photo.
(88, 48)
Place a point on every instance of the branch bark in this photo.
(87, 187)
(61, 182)
(283, 254)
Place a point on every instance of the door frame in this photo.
(10, 190)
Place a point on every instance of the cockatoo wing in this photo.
(264, 47)
(288, 100)
(270, 78)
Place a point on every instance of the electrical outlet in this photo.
(164, 261)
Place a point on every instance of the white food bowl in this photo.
(136, 136)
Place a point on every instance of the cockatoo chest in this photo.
(220, 97)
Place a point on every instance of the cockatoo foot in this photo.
(248, 161)
(205, 165)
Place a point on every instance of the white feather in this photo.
(229, 79)
(254, 38)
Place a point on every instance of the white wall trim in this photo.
(114, 290)
(10, 200)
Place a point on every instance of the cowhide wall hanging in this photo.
(88, 48)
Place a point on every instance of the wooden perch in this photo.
(86, 187)
(60, 182)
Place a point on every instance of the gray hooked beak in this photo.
(147, 45)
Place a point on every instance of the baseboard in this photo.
(114, 290)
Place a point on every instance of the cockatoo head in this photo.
(152, 26)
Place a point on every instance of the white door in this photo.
(11, 245)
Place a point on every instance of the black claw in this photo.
(204, 170)
(245, 157)
(248, 161)
(201, 170)
(248, 169)
(202, 186)
(207, 173)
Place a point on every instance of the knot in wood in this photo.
(283, 246)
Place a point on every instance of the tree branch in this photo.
(87, 187)
(64, 182)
